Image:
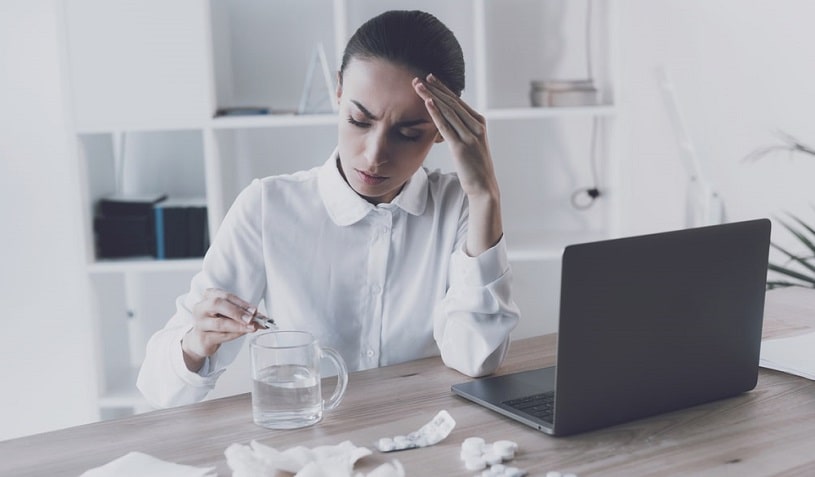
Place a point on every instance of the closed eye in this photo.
(358, 124)
(409, 135)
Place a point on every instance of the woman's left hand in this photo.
(465, 132)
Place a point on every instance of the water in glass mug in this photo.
(286, 397)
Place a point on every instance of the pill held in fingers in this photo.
(265, 322)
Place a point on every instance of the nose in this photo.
(376, 149)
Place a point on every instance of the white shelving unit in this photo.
(146, 77)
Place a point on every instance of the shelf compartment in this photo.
(261, 57)
(140, 163)
(548, 41)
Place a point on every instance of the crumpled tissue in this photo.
(259, 460)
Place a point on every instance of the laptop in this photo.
(648, 324)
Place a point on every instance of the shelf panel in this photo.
(549, 112)
(546, 245)
(149, 126)
(146, 264)
(272, 120)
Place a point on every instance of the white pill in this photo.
(554, 473)
(513, 472)
(475, 463)
(506, 455)
(385, 444)
(498, 468)
(468, 455)
(473, 445)
(502, 447)
(492, 458)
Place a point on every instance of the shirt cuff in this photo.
(481, 270)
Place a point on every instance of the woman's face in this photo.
(385, 131)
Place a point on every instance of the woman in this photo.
(377, 257)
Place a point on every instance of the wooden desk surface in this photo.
(767, 431)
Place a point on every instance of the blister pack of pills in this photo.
(431, 433)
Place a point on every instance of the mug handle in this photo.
(342, 377)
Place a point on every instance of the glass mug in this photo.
(286, 392)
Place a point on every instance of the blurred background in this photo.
(99, 98)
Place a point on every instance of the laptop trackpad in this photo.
(497, 389)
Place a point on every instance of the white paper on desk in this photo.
(137, 464)
(793, 355)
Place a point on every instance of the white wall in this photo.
(742, 70)
(45, 337)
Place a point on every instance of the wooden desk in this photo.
(769, 430)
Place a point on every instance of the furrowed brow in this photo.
(364, 110)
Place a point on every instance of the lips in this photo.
(370, 178)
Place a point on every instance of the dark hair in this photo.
(415, 39)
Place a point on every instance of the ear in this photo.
(339, 86)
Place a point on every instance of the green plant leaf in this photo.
(798, 234)
(791, 273)
(794, 258)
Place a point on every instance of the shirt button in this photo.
(370, 353)
(376, 289)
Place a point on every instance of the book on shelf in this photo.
(181, 228)
(151, 226)
(124, 226)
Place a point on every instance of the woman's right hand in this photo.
(219, 317)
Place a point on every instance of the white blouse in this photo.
(381, 284)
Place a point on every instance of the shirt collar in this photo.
(346, 207)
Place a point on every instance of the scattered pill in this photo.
(504, 447)
(385, 444)
(475, 463)
(492, 458)
(478, 454)
(473, 445)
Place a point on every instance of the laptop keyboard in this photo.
(538, 405)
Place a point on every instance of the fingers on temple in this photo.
(456, 108)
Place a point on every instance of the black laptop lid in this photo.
(659, 322)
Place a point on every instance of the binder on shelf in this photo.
(124, 227)
(181, 228)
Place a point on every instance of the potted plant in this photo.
(799, 268)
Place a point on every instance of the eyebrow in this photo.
(373, 117)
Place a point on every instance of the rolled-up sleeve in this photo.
(473, 321)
